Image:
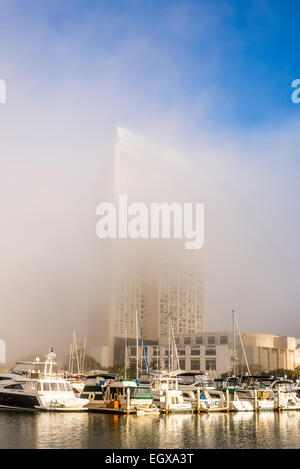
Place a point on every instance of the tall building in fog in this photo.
(159, 278)
(158, 288)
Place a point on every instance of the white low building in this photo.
(212, 353)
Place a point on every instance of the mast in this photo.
(70, 357)
(242, 344)
(175, 349)
(233, 341)
(137, 344)
(76, 351)
(74, 355)
(125, 364)
(144, 346)
(83, 356)
(169, 345)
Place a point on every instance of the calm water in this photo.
(54, 430)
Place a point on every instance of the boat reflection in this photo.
(239, 430)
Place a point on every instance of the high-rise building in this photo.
(158, 278)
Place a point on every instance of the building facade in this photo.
(212, 353)
(158, 278)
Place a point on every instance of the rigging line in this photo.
(146, 356)
(238, 328)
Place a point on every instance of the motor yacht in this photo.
(107, 393)
(286, 393)
(95, 386)
(167, 395)
(36, 386)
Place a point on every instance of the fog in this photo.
(57, 150)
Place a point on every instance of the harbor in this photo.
(38, 386)
(149, 243)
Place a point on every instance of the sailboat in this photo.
(76, 365)
(165, 385)
(109, 393)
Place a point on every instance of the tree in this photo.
(90, 363)
(119, 369)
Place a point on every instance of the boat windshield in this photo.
(188, 379)
(195, 379)
(146, 379)
(32, 370)
(141, 393)
(284, 386)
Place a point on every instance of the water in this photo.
(88, 430)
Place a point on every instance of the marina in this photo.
(37, 386)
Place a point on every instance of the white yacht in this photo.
(286, 393)
(252, 389)
(167, 396)
(36, 386)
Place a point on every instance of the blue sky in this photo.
(239, 57)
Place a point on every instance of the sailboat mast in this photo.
(137, 344)
(233, 340)
(175, 349)
(70, 357)
(83, 356)
(242, 344)
(76, 351)
(125, 361)
(169, 345)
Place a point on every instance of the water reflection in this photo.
(241, 430)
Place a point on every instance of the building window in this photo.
(210, 365)
(199, 340)
(195, 365)
(195, 351)
(210, 351)
(181, 352)
(223, 340)
(187, 340)
(211, 340)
